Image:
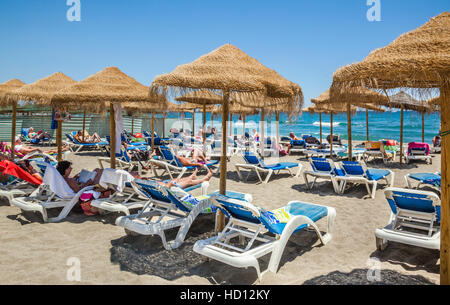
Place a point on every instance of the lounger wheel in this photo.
(381, 244)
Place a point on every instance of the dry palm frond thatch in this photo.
(109, 85)
(7, 87)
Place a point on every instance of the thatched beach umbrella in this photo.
(224, 71)
(419, 59)
(6, 87)
(107, 86)
(40, 93)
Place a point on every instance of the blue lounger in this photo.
(357, 173)
(254, 163)
(415, 219)
(167, 209)
(430, 179)
(271, 229)
(323, 169)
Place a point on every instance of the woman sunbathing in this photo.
(65, 168)
(22, 150)
(87, 139)
(37, 135)
(186, 182)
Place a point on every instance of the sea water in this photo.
(381, 125)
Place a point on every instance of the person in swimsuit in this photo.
(88, 139)
(37, 136)
(65, 168)
(186, 182)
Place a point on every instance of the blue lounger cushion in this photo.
(276, 220)
(428, 178)
(414, 202)
(355, 168)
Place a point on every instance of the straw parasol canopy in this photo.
(201, 97)
(228, 69)
(407, 102)
(41, 91)
(419, 59)
(224, 71)
(9, 86)
(109, 85)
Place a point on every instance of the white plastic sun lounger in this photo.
(414, 220)
(166, 210)
(357, 173)
(322, 169)
(260, 232)
(253, 163)
(429, 179)
(45, 197)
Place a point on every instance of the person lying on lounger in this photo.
(182, 183)
(22, 150)
(38, 135)
(26, 166)
(65, 168)
(88, 139)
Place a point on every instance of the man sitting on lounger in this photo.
(87, 139)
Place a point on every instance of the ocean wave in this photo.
(326, 124)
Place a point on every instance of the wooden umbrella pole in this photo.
(367, 124)
(193, 123)
(164, 125)
(349, 131)
(423, 127)
(320, 119)
(153, 131)
(243, 122)
(223, 158)
(58, 140)
(231, 124)
(13, 128)
(204, 126)
(261, 141)
(401, 135)
(445, 185)
(331, 136)
(84, 123)
(112, 135)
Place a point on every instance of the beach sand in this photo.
(36, 253)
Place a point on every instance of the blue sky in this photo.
(305, 41)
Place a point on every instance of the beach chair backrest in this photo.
(353, 168)
(252, 159)
(154, 190)
(298, 143)
(372, 146)
(169, 156)
(322, 165)
(413, 200)
(416, 148)
(239, 209)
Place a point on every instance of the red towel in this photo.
(10, 168)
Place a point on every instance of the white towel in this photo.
(116, 177)
(57, 184)
(119, 126)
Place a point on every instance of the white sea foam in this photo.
(327, 124)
